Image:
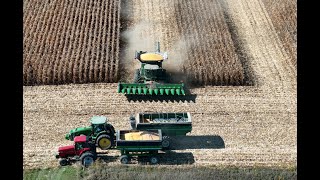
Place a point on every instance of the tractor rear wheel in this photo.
(104, 142)
(124, 159)
(63, 162)
(154, 160)
(87, 159)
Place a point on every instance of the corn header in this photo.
(151, 78)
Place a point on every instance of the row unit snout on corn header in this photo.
(151, 78)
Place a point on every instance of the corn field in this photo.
(70, 41)
(283, 15)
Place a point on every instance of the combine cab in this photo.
(151, 78)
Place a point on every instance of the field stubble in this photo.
(258, 124)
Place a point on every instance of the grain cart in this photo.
(82, 150)
(139, 144)
(151, 78)
(101, 132)
(171, 124)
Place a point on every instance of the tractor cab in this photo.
(83, 142)
(83, 149)
(103, 133)
(99, 124)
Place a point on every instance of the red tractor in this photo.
(83, 150)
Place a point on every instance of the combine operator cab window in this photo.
(151, 66)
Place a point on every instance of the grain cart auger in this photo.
(151, 78)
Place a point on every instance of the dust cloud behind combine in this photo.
(195, 35)
(142, 35)
(138, 38)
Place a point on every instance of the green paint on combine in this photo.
(151, 78)
(147, 89)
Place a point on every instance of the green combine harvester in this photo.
(151, 78)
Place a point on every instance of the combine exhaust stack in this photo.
(151, 78)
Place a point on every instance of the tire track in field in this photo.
(269, 59)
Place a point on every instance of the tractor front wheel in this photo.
(87, 159)
(104, 142)
(63, 162)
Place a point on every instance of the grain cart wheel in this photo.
(154, 160)
(63, 162)
(87, 159)
(104, 142)
(165, 142)
(124, 159)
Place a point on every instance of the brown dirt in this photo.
(256, 124)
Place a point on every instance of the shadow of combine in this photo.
(197, 142)
(162, 98)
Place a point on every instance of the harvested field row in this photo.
(283, 15)
(236, 131)
(70, 41)
(195, 33)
